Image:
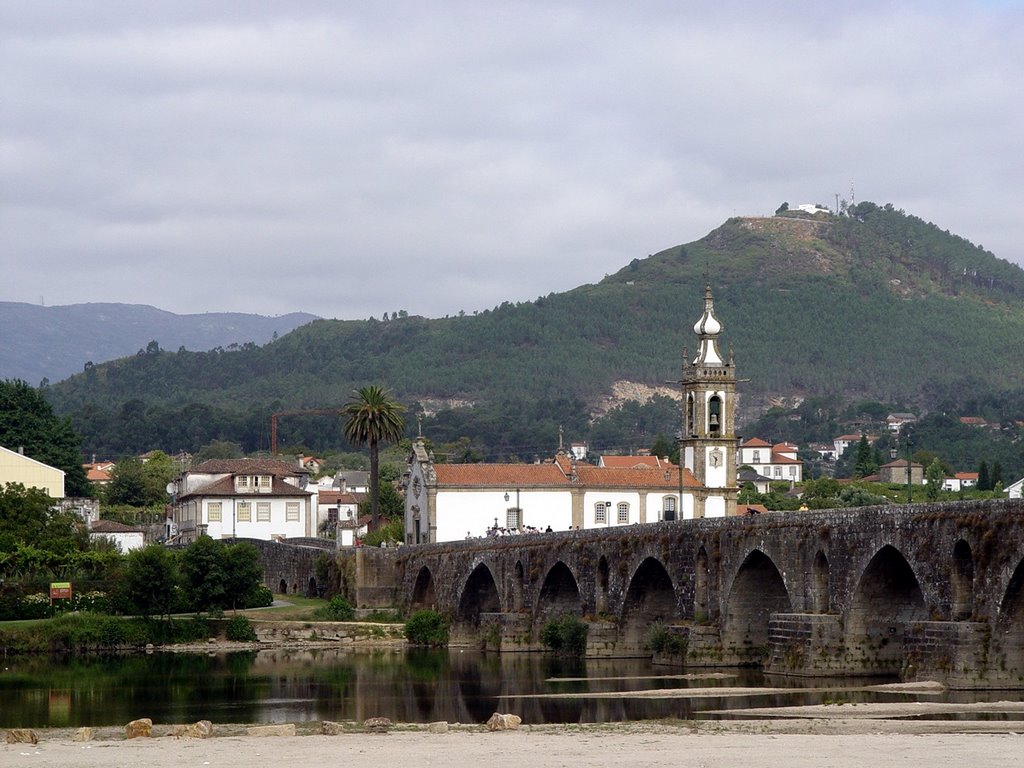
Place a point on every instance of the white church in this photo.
(448, 502)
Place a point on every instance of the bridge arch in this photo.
(888, 597)
(650, 598)
(758, 590)
(962, 582)
(423, 590)
(559, 593)
(479, 595)
(1010, 623)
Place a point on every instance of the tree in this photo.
(984, 483)
(27, 421)
(372, 418)
(27, 518)
(934, 476)
(151, 580)
(864, 464)
(242, 572)
(202, 565)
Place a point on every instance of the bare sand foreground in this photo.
(786, 744)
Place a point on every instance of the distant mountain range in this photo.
(55, 342)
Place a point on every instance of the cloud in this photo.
(350, 161)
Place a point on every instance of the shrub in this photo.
(260, 597)
(338, 609)
(427, 628)
(239, 630)
(660, 639)
(566, 634)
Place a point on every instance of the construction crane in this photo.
(313, 412)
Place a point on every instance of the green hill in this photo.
(878, 305)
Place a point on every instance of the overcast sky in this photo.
(350, 159)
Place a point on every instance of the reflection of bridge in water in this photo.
(927, 591)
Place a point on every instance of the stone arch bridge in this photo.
(926, 592)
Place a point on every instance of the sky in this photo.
(350, 159)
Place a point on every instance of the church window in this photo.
(600, 513)
(513, 520)
(623, 513)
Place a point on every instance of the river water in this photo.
(276, 686)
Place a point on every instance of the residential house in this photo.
(124, 537)
(1016, 490)
(895, 422)
(250, 498)
(896, 472)
(973, 421)
(99, 472)
(336, 507)
(311, 464)
(761, 483)
(959, 481)
(843, 442)
(449, 502)
(16, 467)
(778, 462)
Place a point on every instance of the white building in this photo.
(959, 481)
(448, 502)
(1016, 490)
(124, 537)
(777, 462)
(16, 467)
(248, 498)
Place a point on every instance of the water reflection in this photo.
(406, 686)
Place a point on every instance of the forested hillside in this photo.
(878, 305)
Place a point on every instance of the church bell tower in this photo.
(708, 438)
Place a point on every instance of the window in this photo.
(291, 512)
(757, 457)
(778, 471)
(213, 512)
(243, 481)
(512, 518)
(792, 471)
(244, 513)
(600, 513)
(623, 516)
(263, 512)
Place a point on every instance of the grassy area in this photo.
(299, 609)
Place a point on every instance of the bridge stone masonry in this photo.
(925, 592)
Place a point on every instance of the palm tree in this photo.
(372, 417)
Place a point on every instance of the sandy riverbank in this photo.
(769, 743)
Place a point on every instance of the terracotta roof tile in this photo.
(500, 475)
(226, 487)
(755, 442)
(249, 467)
